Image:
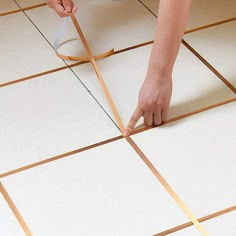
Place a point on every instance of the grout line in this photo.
(40, 74)
(210, 25)
(180, 117)
(23, 9)
(133, 47)
(203, 60)
(61, 156)
(15, 210)
(202, 219)
(148, 9)
(68, 66)
(198, 28)
(137, 131)
(167, 187)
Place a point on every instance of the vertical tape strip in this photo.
(15, 210)
(167, 187)
(131, 142)
(93, 61)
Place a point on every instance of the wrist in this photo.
(159, 72)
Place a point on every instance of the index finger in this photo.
(133, 121)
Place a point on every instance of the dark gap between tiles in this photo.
(206, 63)
(100, 105)
(147, 8)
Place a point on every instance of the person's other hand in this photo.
(154, 100)
(62, 7)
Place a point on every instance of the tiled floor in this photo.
(66, 170)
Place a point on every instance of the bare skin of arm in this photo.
(155, 93)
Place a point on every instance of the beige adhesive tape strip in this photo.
(168, 187)
(15, 210)
(131, 142)
(84, 58)
(94, 63)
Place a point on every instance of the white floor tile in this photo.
(9, 226)
(23, 50)
(103, 191)
(194, 85)
(28, 3)
(222, 225)
(6, 6)
(48, 116)
(106, 25)
(218, 46)
(196, 155)
(203, 12)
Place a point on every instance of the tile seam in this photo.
(15, 211)
(137, 131)
(210, 67)
(202, 219)
(22, 9)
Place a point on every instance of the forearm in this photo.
(172, 19)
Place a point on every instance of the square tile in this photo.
(218, 46)
(103, 191)
(48, 116)
(28, 3)
(8, 5)
(24, 51)
(8, 224)
(222, 225)
(106, 25)
(196, 155)
(194, 85)
(202, 12)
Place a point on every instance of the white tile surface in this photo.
(48, 116)
(7, 5)
(9, 226)
(196, 155)
(103, 191)
(106, 24)
(222, 225)
(194, 85)
(27, 3)
(203, 12)
(24, 51)
(218, 46)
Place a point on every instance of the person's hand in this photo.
(62, 7)
(154, 100)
